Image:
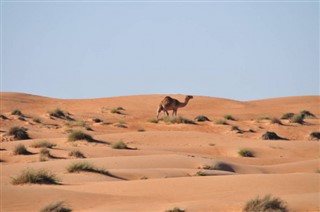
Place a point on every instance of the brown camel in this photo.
(169, 103)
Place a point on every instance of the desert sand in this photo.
(164, 166)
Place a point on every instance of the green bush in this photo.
(17, 112)
(307, 114)
(19, 133)
(229, 117)
(265, 204)
(41, 176)
(56, 207)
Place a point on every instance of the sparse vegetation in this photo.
(17, 112)
(221, 122)
(297, 118)
(44, 154)
(119, 145)
(141, 129)
(175, 210)
(58, 113)
(260, 118)
(314, 135)
(201, 118)
(287, 116)
(116, 110)
(213, 167)
(236, 128)
(271, 136)
(97, 120)
(41, 176)
(265, 204)
(43, 144)
(20, 149)
(120, 124)
(36, 120)
(176, 120)
(56, 207)
(275, 120)
(3, 117)
(83, 166)
(245, 153)
(79, 135)
(19, 133)
(307, 114)
(201, 173)
(76, 154)
(229, 117)
(153, 120)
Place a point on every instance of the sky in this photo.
(242, 50)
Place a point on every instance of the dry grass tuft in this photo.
(265, 204)
(41, 176)
(56, 207)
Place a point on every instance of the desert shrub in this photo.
(229, 117)
(43, 144)
(120, 125)
(97, 120)
(40, 176)
(56, 207)
(265, 204)
(287, 116)
(297, 118)
(79, 135)
(3, 117)
(212, 167)
(201, 173)
(307, 114)
(175, 210)
(271, 136)
(275, 120)
(76, 154)
(83, 166)
(20, 149)
(245, 153)
(119, 145)
(260, 118)
(153, 120)
(58, 113)
(19, 133)
(221, 122)
(141, 129)
(17, 112)
(177, 120)
(116, 111)
(315, 135)
(44, 152)
(201, 118)
(36, 120)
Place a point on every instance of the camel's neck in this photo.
(183, 104)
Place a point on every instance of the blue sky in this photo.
(238, 50)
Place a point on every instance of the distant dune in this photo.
(195, 167)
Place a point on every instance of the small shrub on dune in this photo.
(3, 117)
(141, 129)
(245, 153)
(83, 166)
(153, 120)
(36, 120)
(229, 117)
(271, 136)
(45, 153)
(17, 112)
(76, 135)
(120, 125)
(297, 118)
(287, 116)
(275, 120)
(201, 173)
(58, 113)
(20, 149)
(176, 209)
(177, 120)
(221, 122)
(56, 207)
(41, 176)
(97, 120)
(116, 110)
(42, 144)
(265, 204)
(119, 145)
(76, 154)
(201, 118)
(19, 133)
(314, 135)
(307, 114)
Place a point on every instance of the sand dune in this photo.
(195, 167)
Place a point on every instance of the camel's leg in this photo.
(159, 111)
(166, 112)
(174, 113)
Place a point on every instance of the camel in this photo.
(169, 103)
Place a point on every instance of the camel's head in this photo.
(189, 97)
